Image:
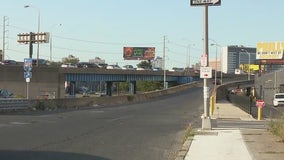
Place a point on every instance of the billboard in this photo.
(269, 50)
(138, 53)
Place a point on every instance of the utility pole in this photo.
(4, 36)
(164, 62)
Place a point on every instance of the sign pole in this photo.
(206, 121)
(27, 90)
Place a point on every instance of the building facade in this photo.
(232, 57)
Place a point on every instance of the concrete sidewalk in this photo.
(235, 141)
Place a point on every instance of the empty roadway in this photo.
(151, 130)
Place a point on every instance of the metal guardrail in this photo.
(13, 104)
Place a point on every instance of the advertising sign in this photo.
(269, 50)
(138, 53)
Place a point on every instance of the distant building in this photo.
(158, 62)
(97, 60)
(215, 65)
(233, 56)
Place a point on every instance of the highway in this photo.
(151, 130)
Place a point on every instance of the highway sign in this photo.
(28, 74)
(205, 2)
(28, 64)
(205, 72)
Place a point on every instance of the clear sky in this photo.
(101, 28)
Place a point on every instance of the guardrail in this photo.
(13, 104)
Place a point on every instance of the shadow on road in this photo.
(45, 155)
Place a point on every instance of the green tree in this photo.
(146, 86)
(145, 64)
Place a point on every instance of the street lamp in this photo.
(217, 45)
(50, 42)
(249, 62)
(216, 65)
(188, 54)
(38, 28)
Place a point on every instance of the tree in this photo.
(145, 65)
(70, 59)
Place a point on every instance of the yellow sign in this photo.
(269, 50)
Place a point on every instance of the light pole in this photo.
(249, 62)
(215, 76)
(38, 28)
(50, 42)
(188, 54)
(217, 45)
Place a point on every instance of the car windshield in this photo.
(279, 96)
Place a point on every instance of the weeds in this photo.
(189, 132)
(277, 128)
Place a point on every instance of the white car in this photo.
(278, 99)
(68, 65)
(115, 66)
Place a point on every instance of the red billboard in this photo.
(138, 53)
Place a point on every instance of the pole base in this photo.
(206, 123)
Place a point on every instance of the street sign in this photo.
(205, 2)
(28, 65)
(205, 72)
(260, 103)
(204, 60)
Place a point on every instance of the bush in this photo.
(277, 128)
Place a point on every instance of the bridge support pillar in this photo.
(132, 87)
(109, 88)
(72, 88)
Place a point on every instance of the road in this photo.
(150, 130)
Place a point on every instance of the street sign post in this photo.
(28, 66)
(206, 120)
(205, 2)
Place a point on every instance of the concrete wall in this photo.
(48, 82)
(106, 100)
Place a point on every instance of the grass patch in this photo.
(189, 132)
(276, 127)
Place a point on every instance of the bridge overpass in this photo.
(51, 80)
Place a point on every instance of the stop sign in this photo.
(260, 103)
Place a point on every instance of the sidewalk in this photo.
(235, 136)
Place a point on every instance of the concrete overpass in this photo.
(51, 80)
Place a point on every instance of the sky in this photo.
(101, 28)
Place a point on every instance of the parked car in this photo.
(8, 62)
(278, 99)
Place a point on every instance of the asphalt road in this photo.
(151, 130)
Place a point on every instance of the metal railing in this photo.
(13, 104)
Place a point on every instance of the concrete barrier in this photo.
(43, 104)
